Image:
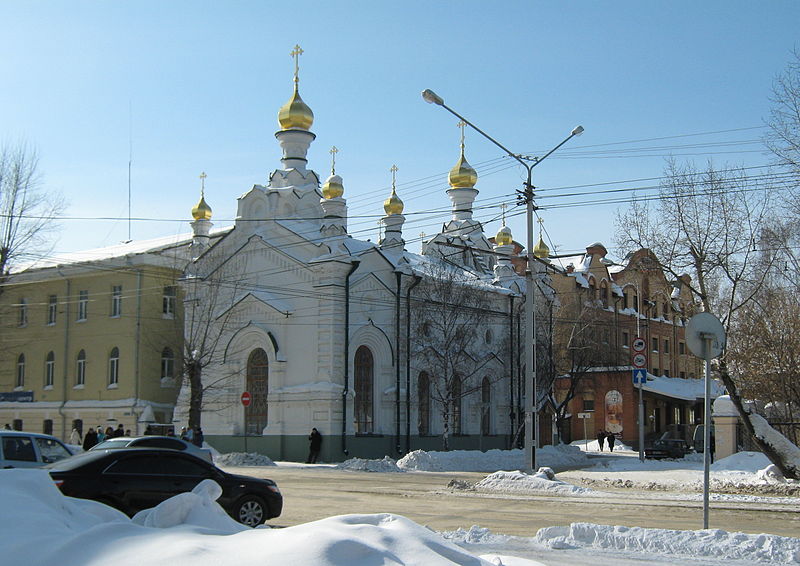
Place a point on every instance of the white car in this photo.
(171, 442)
(30, 449)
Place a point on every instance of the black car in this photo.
(133, 479)
(666, 447)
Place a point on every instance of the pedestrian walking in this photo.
(315, 443)
(601, 437)
(75, 437)
(198, 437)
(610, 438)
(90, 439)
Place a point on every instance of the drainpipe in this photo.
(511, 367)
(345, 391)
(136, 367)
(399, 277)
(65, 363)
(417, 279)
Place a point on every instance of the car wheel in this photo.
(250, 510)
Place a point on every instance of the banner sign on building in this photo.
(16, 396)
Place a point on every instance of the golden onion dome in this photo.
(201, 210)
(333, 187)
(295, 114)
(504, 237)
(393, 204)
(541, 250)
(462, 175)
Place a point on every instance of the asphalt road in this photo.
(315, 493)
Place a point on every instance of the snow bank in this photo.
(750, 462)
(558, 457)
(198, 507)
(358, 464)
(41, 527)
(521, 482)
(712, 543)
(243, 460)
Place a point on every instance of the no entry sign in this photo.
(246, 399)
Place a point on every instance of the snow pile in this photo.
(712, 543)
(361, 465)
(741, 462)
(41, 527)
(521, 482)
(240, 459)
(558, 457)
(197, 507)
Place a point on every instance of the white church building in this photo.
(319, 328)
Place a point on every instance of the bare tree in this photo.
(582, 344)
(450, 313)
(27, 211)
(784, 122)
(208, 312)
(707, 223)
(766, 357)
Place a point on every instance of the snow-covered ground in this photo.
(42, 527)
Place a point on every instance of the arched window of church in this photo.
(456, 404)
(364, 384)
(604, 293)
(486, 406)
(424, 403)
(258, 387)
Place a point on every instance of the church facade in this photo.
(292, 323)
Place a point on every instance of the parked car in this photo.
(30, 449)
(666, 447)
(171, 442)
(133, 479)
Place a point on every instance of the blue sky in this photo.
(196, 86)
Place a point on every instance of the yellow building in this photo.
(94, 340)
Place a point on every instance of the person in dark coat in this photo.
(90, 439)
(198, 437)
(315, 443)
(601, 437)
(120, 432)
(610, 438)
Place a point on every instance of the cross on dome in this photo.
(334, 150)
(295, 54)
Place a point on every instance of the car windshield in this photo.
(112, 443)
(52, 450)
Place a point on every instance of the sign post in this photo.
(639, 359)
(246, 399)
(584, 417)
(705, 337)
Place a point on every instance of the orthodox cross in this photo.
(203, 184)
(394, 178)
(541, 227)
(333, 153)
(296, 52)
(503, 207)
(462, 124)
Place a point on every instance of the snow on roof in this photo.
(123, 249)
(678, 388)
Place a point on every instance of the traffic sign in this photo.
(639, 344)
(639, 376)
(639, 360)
(584, 415)
(246, 399)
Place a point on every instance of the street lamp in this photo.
(531, 403)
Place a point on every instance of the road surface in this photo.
(312, 493)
